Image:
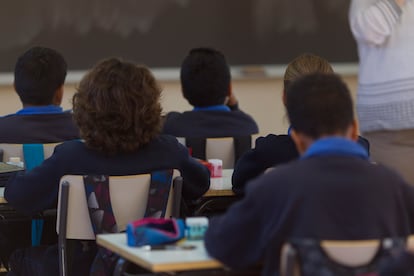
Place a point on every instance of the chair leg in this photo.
(120, 267)
(291, 261)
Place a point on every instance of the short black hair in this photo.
(319, 104)
(205, 77)
(38, 73)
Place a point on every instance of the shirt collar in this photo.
(289, 131)
(336, 146)
(45, 109)
(220, 107)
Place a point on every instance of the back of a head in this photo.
(38, 73)
(305, 64)
(117, 106)
(319, 105)
(205, 77)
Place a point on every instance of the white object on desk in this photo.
(196, 227)
(222, 183)
(2, 199)
(160, 260)
(16, 161)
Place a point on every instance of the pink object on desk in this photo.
(216, 168)
(216, 173)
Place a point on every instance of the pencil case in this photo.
(154, 231)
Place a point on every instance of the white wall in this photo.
(260, 97)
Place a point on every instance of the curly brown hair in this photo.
(117, 107)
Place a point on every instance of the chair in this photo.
(306, 257)
(32, 155)
(26, 151)
(228, 149)
(73, 220)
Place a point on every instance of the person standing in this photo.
(383, 30)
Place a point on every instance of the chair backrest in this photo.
(31, 155)
(25, 151)
(228, 149)
(129, 195)
(128, 199)
(410, 243)
(332, 256)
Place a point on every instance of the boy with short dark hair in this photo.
(206, 84)
(39, 76)
(332, 192)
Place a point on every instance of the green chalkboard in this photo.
(159, 33)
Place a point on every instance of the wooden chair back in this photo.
(346, 253)
(129, 195)
(228, 149)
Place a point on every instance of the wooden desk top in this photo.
(160, 260)
(211, 193)
(2, 199)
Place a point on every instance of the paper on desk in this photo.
(216, 183)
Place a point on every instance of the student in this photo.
(39, 76)
(117, 109)
(275, 149)
(332, 192)
(205, 81)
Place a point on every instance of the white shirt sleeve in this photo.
(373, 22)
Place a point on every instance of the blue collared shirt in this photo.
(220, 107)
(336, 146)
(45, 109)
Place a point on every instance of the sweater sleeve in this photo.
(237, 237)
(36, 190)
(196, 177)
(252, 227)
(373, 22)
(269, 151)
(249, 166)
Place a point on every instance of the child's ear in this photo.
(353, 130)
(300, 140)
(57, 98)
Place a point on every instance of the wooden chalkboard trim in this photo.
(238, 72)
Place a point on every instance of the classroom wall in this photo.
(261, 98)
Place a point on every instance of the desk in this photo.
(160, 260)
(2, 199)
(218, 198)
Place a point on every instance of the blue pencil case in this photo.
(154, 231)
